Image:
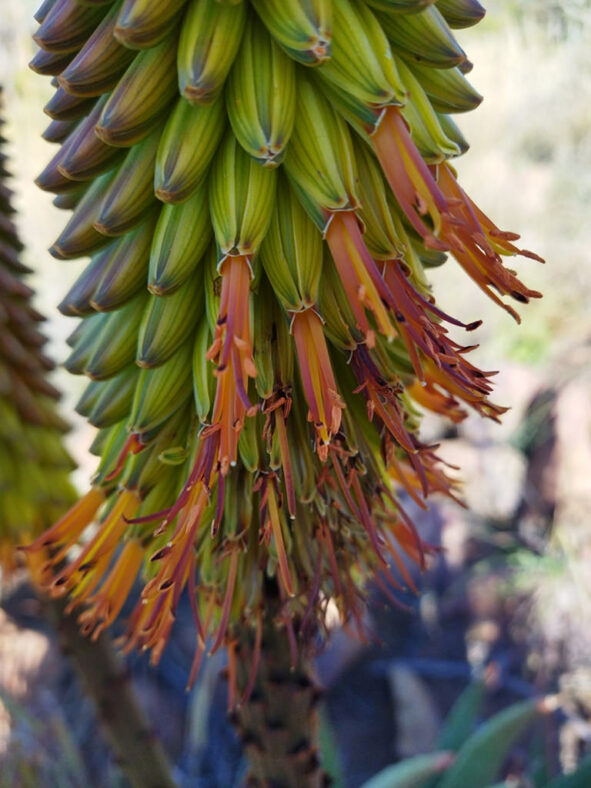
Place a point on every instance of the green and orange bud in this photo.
(292, 253)
(167, 322)
(141, 96)
(141, 24)
(210, 38)
(424, 37)
(383, 236)
(461, 13)
(241, 200)
(425, 127)
(261, 96)
(302, 27)
(180, 238)
(161, 391)
(318, 378)
(130, 194)
(99, 64)
(320, 162)
(187, 146)
(362, 71)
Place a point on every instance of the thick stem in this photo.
(278, 724)
(105, 679)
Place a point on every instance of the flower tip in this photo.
(102, 132)
(102, 228)
(165, 195)
(474, 325)
(156, 289)
(200, 94)
(321, 52)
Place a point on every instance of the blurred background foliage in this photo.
(511, 594)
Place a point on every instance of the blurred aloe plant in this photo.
(261, 186)
(35, 489)
(34, 465)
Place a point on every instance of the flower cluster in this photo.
(261, 186)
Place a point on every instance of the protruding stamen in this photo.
(317, 377)
(363, 283)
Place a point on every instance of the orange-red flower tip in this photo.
(361, 278)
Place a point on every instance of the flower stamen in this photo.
(318, 378)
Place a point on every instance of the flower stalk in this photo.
(275, 712)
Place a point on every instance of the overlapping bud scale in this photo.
(262, 186)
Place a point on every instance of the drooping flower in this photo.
(261, 187)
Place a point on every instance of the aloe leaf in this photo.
(481, 757)
(412, 772)
(579, 779)
(462, 718)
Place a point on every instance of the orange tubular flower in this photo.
(455, 223)
(232, 352)
(104, 605)
(317, 377)
(409, 177)
(150, 623)
(86, 571)
(477, 245)
(359, 274)
(56, 542)
(430, 398)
